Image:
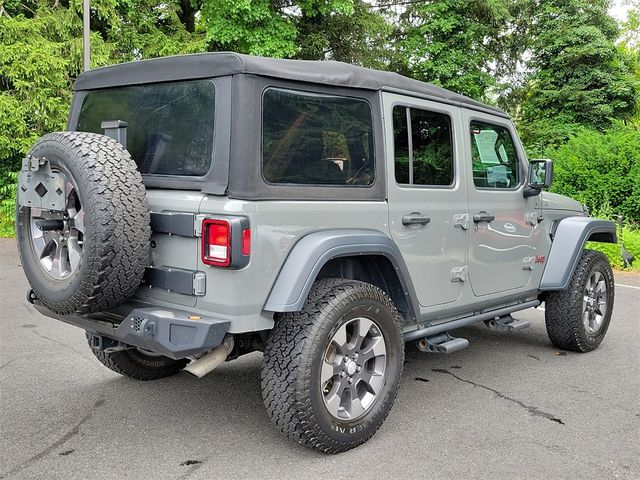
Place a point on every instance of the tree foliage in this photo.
(579, 76)
(452, 43)
(564, 69)
(601, 169)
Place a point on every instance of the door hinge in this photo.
(529, 263)
(462, 220)
(197, 224)
(199, 284)
(533, 218)
(459, 274)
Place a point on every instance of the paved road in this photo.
(506, 407)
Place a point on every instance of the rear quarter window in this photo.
(314, 139)
(170, 125)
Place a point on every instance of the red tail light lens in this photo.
(216, 242)
(246, 242)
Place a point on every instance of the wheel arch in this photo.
(569, 238)
(365, 255)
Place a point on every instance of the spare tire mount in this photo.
(56, 227)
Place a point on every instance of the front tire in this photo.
(577, 318)
(330, 372)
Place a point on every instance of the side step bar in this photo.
(463, 322)
(507, 324)
(441, 343)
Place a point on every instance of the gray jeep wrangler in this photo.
(202, 207)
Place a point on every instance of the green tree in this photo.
(453, 43)
(358, 36)
(601, 169)
(579, 76)
(347, 30)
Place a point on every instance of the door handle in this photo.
(483, 217)
(415, 219)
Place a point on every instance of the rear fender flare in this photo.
(313, 251)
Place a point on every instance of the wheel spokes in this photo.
(329, 371)
(374, 349)
(340, 338)
(78, 221)
(74, 252)
(594, 302)
(353, 369)
(360, 332)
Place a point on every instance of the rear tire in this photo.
(303, 387)
(135, 364)
(577, 318)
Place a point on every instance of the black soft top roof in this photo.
(206, 65)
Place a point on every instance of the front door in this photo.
(503, 237)
(426, 190)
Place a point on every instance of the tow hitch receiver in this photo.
(106, 344)
(441, 343)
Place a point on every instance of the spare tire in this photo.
(90, 257)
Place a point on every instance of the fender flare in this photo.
(569, 238)
(313, 251)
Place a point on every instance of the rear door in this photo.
(426, 191)
(503, 236)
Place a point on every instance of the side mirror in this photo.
(539, 176)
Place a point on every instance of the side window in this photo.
(314, 139)
(495, 162)
(423, 147)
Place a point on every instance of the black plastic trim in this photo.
(176, 223)
(178, 280)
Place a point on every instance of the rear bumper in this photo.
(165, 331)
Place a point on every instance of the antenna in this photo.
(85, 35)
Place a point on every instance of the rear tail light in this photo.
(216, 242)
(226, 242)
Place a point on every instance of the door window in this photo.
(315, 139)
(494, 157)
(423, 147)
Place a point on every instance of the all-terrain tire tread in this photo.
(120, 220)
(562, 306)
(287, 400)
(136, 365)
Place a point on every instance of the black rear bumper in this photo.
(170, 332)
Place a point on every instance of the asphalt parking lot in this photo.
(509, 406)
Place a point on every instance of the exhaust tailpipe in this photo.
(211, 360)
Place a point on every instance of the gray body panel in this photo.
(569, 238)
(431, 250)
(502, 252)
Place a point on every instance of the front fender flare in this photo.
(313, 251)
(568, 241)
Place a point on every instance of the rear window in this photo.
(314, 139)
(170, 125)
